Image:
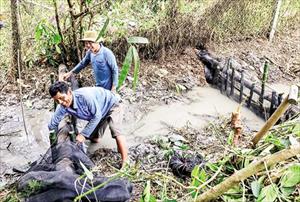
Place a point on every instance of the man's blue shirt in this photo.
(104, 66)
(90, 104)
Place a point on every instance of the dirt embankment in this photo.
(282, 55)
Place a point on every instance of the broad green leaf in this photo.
(146, 193)
(195, 181)
(195, 171)
(56, 39)
(136, 61)
(38, 32)
(212, 166)
(291, 177)
(88, 173)
(202, 175)
(57, 48)
(255, 187)
(268, 194)
(103, 30)
(198, 177)
(137, 40)
(286, 191)
(126, 65)
(147, 197)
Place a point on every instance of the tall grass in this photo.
(193, 22)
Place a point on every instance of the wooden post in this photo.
(280, 98)
(290, 99)
(232, 82)
(251, 95)
(242, 86)
(223, 80)
(216, 75)
(275, 20)
(227, 78)
(263, 85)
(274, 103)
(220, 81)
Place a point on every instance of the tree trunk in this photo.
(16, 42)
(64, 52)
(250, 170)
(74, 29)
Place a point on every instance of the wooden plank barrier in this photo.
(259, 97)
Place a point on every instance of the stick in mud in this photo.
(251, 95)
(242, 86)
(274, 103)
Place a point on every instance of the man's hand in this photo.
(80, 139)
(66, 76)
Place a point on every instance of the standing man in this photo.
(98, 106)
(103, 62)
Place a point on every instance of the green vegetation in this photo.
(166, 24)
(276, 183)
(132, 55)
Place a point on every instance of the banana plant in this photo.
(132, 56)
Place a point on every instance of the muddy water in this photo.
(17, 149)
(200, 106)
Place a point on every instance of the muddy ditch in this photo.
(165, 100)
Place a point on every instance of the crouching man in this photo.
(96, 105)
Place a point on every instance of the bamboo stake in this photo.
(250, 170)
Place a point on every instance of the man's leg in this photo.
(115, 125)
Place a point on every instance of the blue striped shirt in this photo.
(104, 66)
(90, 104)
